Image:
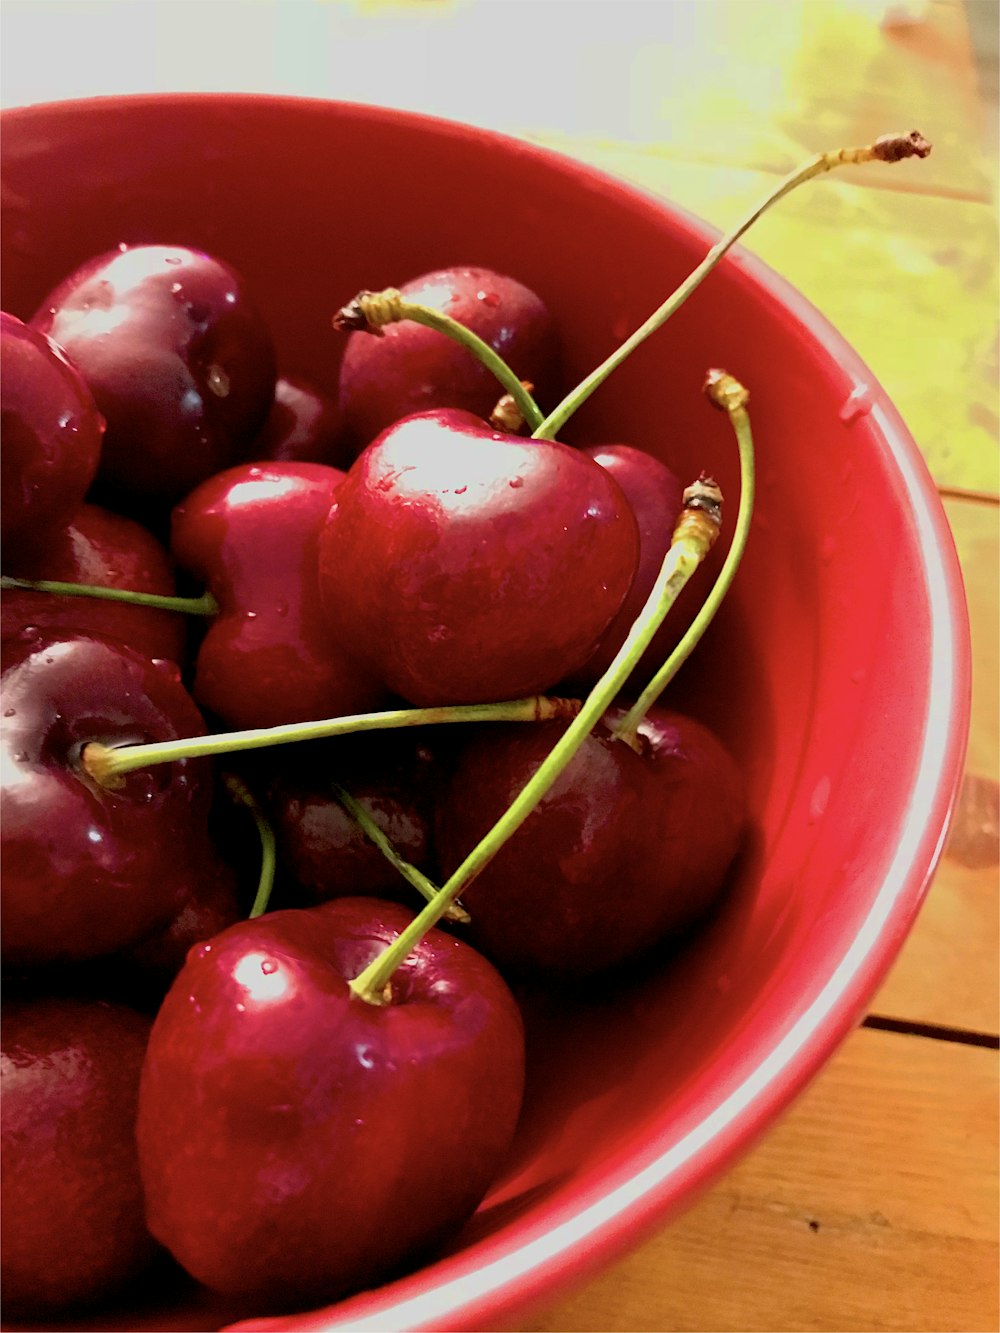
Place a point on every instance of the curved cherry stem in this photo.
(205, 605)
(369, 312)
(696, 530)
(729, 396)
(888, 148)
(416, 878)
(108, 764)
(268, 854)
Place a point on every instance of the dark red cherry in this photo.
(73, 1225)
(656, 497)
(51, 437)
(303, 426)
(322, 848)
(297, 1142)
(108, 550)
(464, 565)
(411, 368)
(270, 656)
(625, 850)
(177, 357)
(86, 871)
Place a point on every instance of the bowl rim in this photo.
(608, 1216)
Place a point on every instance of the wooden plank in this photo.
(948, 970)
(909, 280)
(871, 1206)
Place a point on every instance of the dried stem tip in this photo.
(97, 761)
(724, 391)
(507, 415)
(894, 147)
(701, 518)
(369, 312)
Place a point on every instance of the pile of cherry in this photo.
(386, 549)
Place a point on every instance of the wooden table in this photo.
(873, 1204)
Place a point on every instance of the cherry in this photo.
(102, 549)
(88, 871)
(625, 850)
(321, 846)
(52, 435)
(410, 368)
(296, 1142)
(74, 1230)
(655, 494)
(303, 426)
(270, 656)
(502, 560)
(176, 356)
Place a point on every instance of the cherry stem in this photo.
(694, 534)
(888, 148)
(729, 396)
(205, 605)
(424, 886)
(371, 311)
(108, 764)
(268, 856)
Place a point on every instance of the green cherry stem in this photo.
(694, 534)
(424, 886)
(239, 790)
(369, 312)
(888, 148)
(727, 394)
(205, 605)
(108, 764)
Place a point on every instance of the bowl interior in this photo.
(837, 671)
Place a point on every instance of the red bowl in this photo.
(838, 671)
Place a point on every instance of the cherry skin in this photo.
(296, 1142)
(656, 496)
(321, 847)
(105, 549)
(411, 368)
(270, 656)
(501, 561)
(177, 357)
(74, 1230)
(626, 850)
(87, 872)
(303, 426)
(52, 434)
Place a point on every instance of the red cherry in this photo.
(177, 357)
(74, 1230)
(303, 426)
(270, 656)
(107, 550)
(52, 434)
(625, 850)
(297, 1142)
(411, 368)
(499, 561)
(87, 871)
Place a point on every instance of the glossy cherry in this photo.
(177, 357)
(626, 849)
(271, 655)
(410, 368)
(303, 426)
(73, 1224)
(105, 549)
(295, 1141)
(52, 434)
(501, 561)
(87, 871)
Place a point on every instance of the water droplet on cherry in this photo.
(516, 483)
(488, 298)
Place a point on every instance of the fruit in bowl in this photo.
(639, 1086)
